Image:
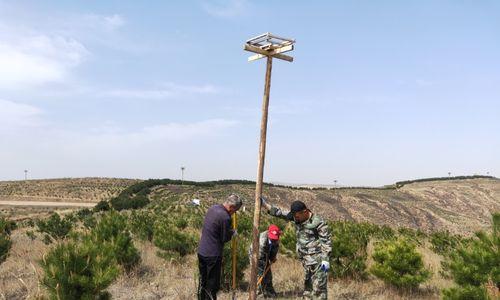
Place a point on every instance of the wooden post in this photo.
(260, 177)
(234, 249)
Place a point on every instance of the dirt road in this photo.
(46, 204)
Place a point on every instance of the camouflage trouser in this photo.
(315, 282)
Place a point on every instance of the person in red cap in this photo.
(268, 250)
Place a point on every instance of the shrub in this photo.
(83, 213)
(112, 228)
(55, 226)
(443, 242)
(75, 270)
(141, 224)
(398, 263)
(180, 222)
(173, 242)
(89, 221)
(5, 244)
(6, 226)
(102, 205)
(135, 202)
(242, 262)
(475, 263)
(288, 241)
(414, 235)
(465, 293)
(349, 243)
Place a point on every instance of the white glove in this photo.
(235, 233)
(325, 266)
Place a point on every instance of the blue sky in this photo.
(379, 91)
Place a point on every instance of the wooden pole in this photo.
(234, 249)
(260, 177)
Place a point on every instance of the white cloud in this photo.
(33, 59)
(168, 90)
(107, 23)
(170, 132)
(225, 8)
(14, 116)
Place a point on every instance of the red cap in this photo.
(273, 232)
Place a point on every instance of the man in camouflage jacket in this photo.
(313, 246)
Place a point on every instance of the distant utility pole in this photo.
(25, 174)
(335, 183)
(182, 174)
(449, 174)
(264, 46)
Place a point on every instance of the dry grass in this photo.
(19, 274)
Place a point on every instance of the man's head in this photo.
(232, 203)
(273, 233)
(299, 211)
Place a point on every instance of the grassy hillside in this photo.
(64, 189)
(165, 232)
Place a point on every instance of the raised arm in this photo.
(276, 211)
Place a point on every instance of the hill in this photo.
(458, 205)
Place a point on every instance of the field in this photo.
(459, 206)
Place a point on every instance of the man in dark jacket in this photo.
(216, 231)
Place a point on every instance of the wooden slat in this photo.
(267, 53)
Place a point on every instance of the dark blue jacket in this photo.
(216, 231)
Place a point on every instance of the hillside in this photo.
(64, 189)
(461, 206)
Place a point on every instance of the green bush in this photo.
(55, 226)
(102, 205)
(288, 241)
(414, 235)
(89, 221)
(112, 229)
(173, 242)
(75, 270)
(475, 263)
(83, 213)
(443, 242)
(398, 263)
(141, 224)
(134, 202)
(349, 243)
(5, 244)
(6, 226)
(468, 292)
(180, 222)
(242, 262)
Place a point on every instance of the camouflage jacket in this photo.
(267, 251)
(313, 237)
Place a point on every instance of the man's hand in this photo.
(264, 203)
(325, 266)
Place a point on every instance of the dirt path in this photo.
(47, 204)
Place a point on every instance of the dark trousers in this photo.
(266, 286)
(210, 272)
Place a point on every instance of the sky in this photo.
(379, 91)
